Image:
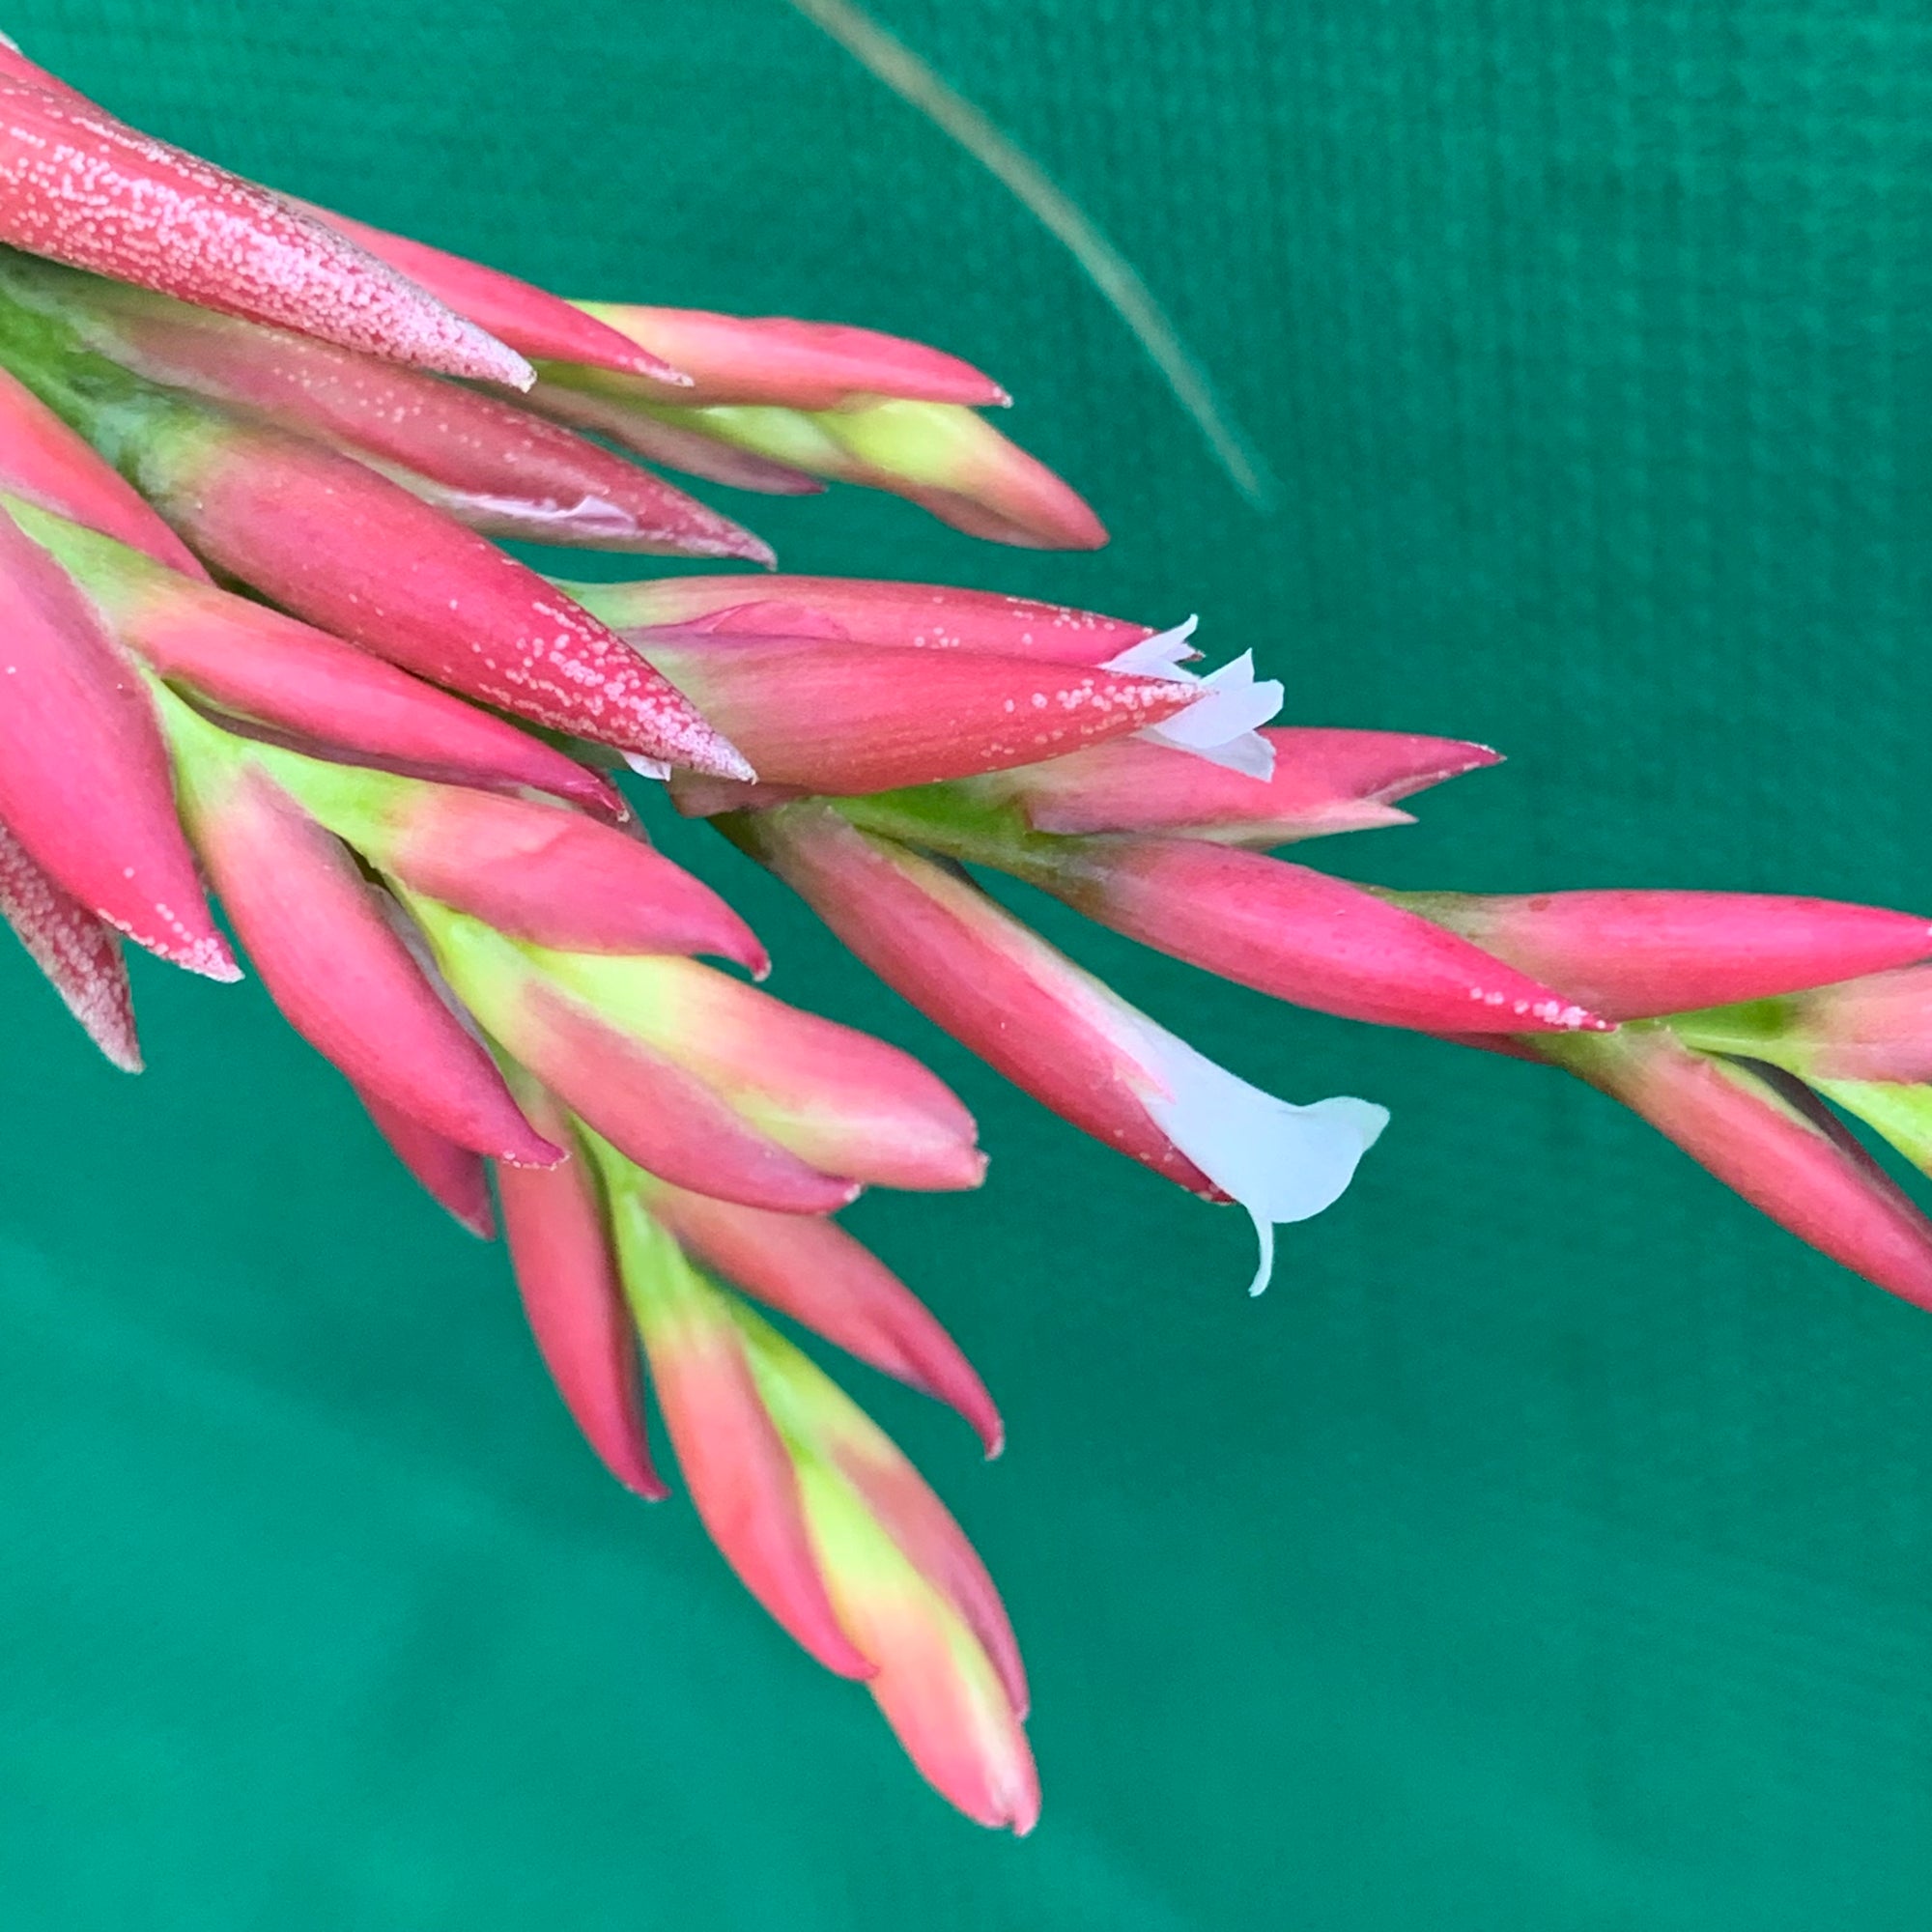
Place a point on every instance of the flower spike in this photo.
(832, 1529)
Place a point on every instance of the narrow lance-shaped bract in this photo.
(487, 463)
(775, 359)
(1772, 1144)
(84, 781)
(945, 457)
(1639, 955)
(82, 188)
(334, 962)
(810, 1268)
(927, 616)
(80, 954)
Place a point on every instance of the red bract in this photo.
(546, 874)
(1324, 782)
(80, 956)
(622, 1081)
(932, 616)
(358, 555)
(331, 961)
(490, 464)
(1791, 1163)
(1302, 936)
(84, 188)
(849, 717)
(812, 1269)
(554, 1224)
(799, 365)
(83, 775)
(527, 318)
(453, 1177)
(256, 664)
(1636, 954)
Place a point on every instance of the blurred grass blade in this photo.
(901, 69)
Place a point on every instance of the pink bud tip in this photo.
(80, 956)
(84, 783)
(1639, 954)
(451, 1176)
(814, 1271)
(1324, 782)
(799, 365)
(529, 319)
(84, 188)
(1773, 1144)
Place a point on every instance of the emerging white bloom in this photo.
(1223, 723)
(1281, 1162)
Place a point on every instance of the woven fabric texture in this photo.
(1552, 1546)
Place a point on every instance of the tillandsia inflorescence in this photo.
(261, 640)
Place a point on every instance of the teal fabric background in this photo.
(1552, 1547)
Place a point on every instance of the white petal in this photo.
(1221, 724)
(648, 768)
(1160, 655)
(1280, 1161)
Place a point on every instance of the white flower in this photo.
(1223, 723)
